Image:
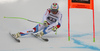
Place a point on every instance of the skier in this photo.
(51, 16)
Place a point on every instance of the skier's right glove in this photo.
(45, 24)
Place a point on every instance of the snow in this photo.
(81, 31)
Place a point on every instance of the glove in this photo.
(45, 24)
(54, 28)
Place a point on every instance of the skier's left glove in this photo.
(54, 28)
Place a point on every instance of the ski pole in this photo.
(27, 20)
(56, 32)
(23, 19)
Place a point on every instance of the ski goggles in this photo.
(54, 10)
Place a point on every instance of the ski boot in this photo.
(40, 34)
(16, 35)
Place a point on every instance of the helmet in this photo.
(54, 7)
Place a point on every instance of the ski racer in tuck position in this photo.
(51, 16)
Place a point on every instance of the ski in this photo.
(14, 38)
(41, 38)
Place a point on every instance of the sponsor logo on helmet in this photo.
(55, 7)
